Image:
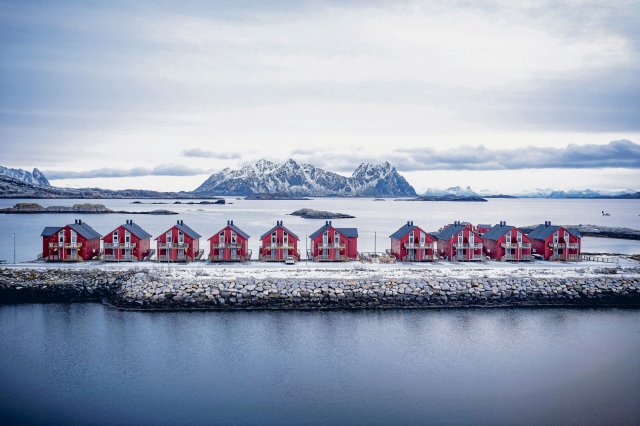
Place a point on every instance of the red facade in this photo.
(179, 244)
(126, 243)
(230, 244)
(331, 244)
(279, 243)
(507, 243)
(459, 242)
(412, 244)
(556, 242)
(70, 243)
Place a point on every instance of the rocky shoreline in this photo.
(144, 289)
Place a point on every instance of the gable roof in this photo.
(484, 225)
(84, 230)
(136, 230)
(347, 232)
(497, 232)
(50, 230)
(235, 229)
(185, 229)
(451, 230)
(404, 230)
(543, 231)
(279, 225)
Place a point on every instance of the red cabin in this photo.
(330, 244)
(504, 242)
(229, 245)
(278, 243)
(483, 228)
(71, 243)
(179, 244)
(459, 242)
(126, 243)
(554, 242)
(411, 243)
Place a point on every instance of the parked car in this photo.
(290, 260)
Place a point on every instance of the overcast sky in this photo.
(159, 94)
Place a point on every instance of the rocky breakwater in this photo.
(161, 290)
(27, 285)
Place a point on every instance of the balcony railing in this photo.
(179, 258)
(339, 258)
(116, 246)
(475, 246)
(268, 258)
(222, 246)
(565, 256)
(463, 258)
(557, 245)
(279, 246)
(516, 245)
(573, 246)
(419, 245)
(237, 258)
(65, 245)
(172, 246)
(64, 258)
(331, 245)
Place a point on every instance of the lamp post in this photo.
(375, 243)
(14, 247)
(306, 250)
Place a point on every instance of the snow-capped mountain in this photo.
(572, 193)
(34, 178)
(293, 179)
(453, 190)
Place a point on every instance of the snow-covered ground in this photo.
(360, 270)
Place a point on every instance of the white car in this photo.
(290, 260)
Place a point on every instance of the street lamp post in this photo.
(14, 248)
(375, 243)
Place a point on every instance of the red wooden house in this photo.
(554, 242)
(230, 244)
(459, 242)
(504, 242)
(179, 244)
(411, 243)
(331, 244)
(126, 243)
(71, 243)
(482, 228)
(278, 243)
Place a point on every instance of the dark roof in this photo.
(85, 230)
(136, 230)
(484, 225)
(542, 231)
(449, 231)
(404, 230)
(496, 232)
(184, 228)
(49, 231)
(279, 225)
(347, 232)
(237, 230)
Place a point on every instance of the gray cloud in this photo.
(161, 170)
(201, 153)
(619, 154)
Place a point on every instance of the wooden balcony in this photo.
(573, 246)
(565, 256)
(123, 258)
(66, 258)
(419, 246)
(118, 246)
(474, 246)
(279, 246)
(557, 245)
(516, 245)
(65, 246)
(237, 258)
(173, 246)
(468, 258)
(223, 246)
(331, 246)
(339, 258)
(267, 258)
(183, 258)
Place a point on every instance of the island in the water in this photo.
(445, 197)
(320, 214)
(84, 208)
(200, 203)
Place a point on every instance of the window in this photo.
(180, 237)
(566, 237)
(61, 237)
(234, 237)
(336, 237)
(285, 238)
(115, 237)
(127, 237)
(460, 238)
(221, 238)
(168, 237)
(519, 237)
(411, 240)
(74, 237)
(274, 237)
(422, 236)
(555, 237)
(471, 237)
(509, 236)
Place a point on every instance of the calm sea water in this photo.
(375, 220)
(84, 363)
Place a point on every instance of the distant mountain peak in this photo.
(295, 179)
(34, 178)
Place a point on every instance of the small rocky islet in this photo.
(83, 208)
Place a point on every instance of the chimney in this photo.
(408, 223)
(177, 222)
(329, 223)
(503, 223)
(411, 223)
(547, 222)
(79, 221)
(231, 222)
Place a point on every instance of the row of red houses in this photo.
(459, 241)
